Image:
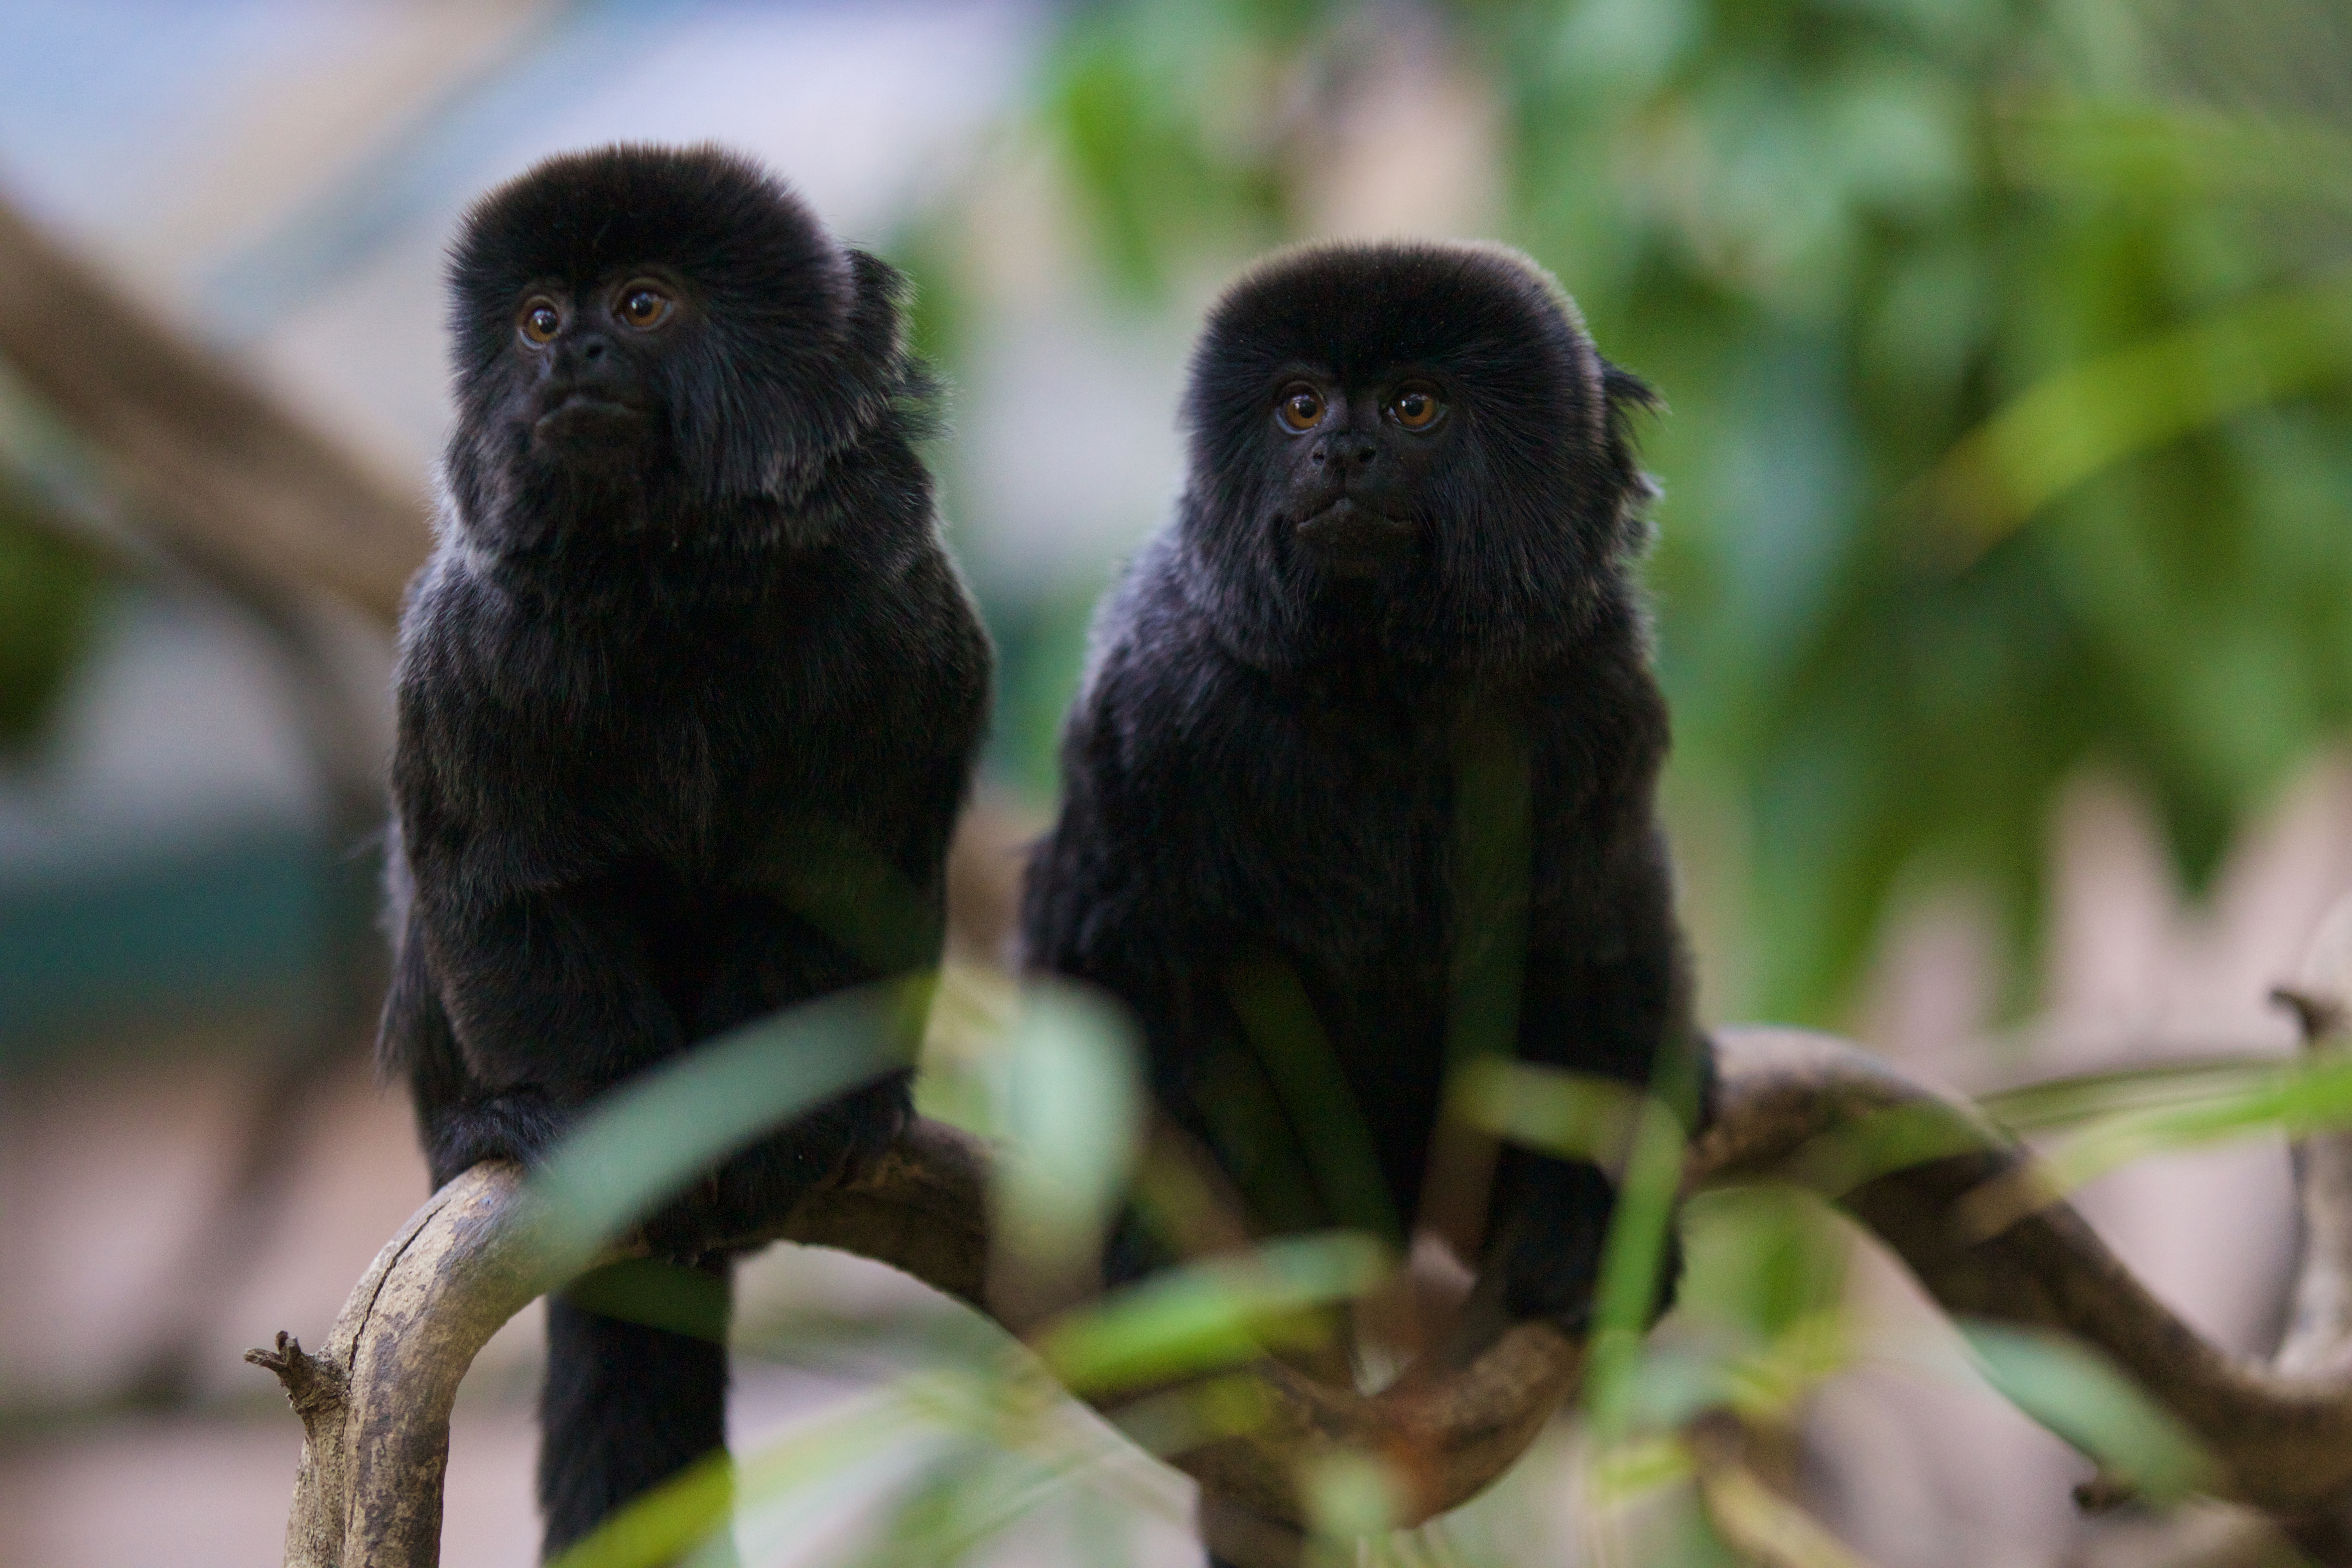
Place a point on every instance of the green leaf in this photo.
(2083, 1397)
(1350, 1495)
(1289, 1043)
(1577, 1116)
(1073, 1104)
(657, 1294)
(2092, 416)
(2065, 1101)
(48, 591)
(1208, 1315)
(644, 1142)
(2292, 1097)
(661, 1525)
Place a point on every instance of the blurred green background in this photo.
(2007, 348)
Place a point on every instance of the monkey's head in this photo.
(1416, 440)
(645, 336)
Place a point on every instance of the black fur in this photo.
(687, 697)
(1342, 636)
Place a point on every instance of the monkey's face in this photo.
(1351, 465)
(667, 330)
(587, 390)
(1420, 433)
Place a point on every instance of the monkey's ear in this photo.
(878, 346)
(1626, 391)
(1623, 394)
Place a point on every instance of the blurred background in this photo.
(2003, 593)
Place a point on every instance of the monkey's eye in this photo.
(1416, 408)
(539, 321)
(1301, 408)
(645, 306)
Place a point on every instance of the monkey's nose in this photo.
(585, 353)
(1349, 452)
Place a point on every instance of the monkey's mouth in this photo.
(579, 414)
(1351, 540)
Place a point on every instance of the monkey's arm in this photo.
(547, 988)
(1607, 991)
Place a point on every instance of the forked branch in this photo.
(375, 1403)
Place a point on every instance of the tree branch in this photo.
(213, 461)
(1792, 1106)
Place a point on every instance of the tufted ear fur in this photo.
(1623, 395)
(876, 352)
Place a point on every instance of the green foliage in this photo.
(2008, 348)
(2080, 1395)
(641, 1144)
(970, 1433)
(1212, 1314)
(1168, 115)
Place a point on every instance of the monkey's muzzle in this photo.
(1353, 541)
(580, 411)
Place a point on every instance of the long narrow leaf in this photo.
(1577, 1116)
(2080, 1395)
(646, 1139)
(1208, 1315)
(2294, 1099)
(2082, 1097)
(2089, 417)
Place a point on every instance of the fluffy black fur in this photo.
(1288, 695)
(687, 697)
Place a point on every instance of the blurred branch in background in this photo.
(232, 491)
(213, 464)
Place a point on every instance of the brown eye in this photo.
(541, 321)
(1301, 409)
(643, 306)
(1416, 408)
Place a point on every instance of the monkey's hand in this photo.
(1549, 1245)
(761, 1185)
(520, 1124)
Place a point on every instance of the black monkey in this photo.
(1372, 725)
(689, 694)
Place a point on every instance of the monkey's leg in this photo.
(1548, 1236)
(460, 1123)
(625, 1407)
(552, 991)
(770, 958)
(1620, 1007)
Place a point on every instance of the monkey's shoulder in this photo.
(515, 702)
(1167, 699)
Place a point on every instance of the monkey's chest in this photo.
(1344, 852)
(669, 779)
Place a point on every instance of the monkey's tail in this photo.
(625, 1407)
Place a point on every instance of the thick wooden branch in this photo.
(376, 1404)
(214, 464)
